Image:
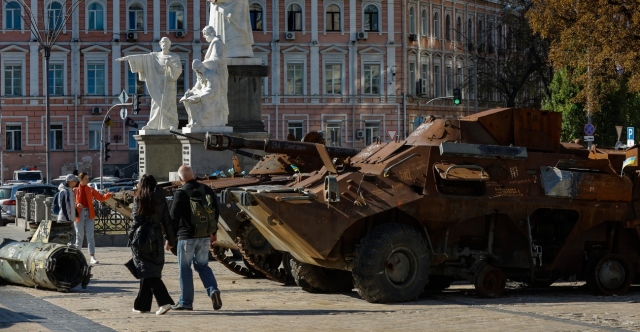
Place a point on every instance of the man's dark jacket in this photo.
(181, 209)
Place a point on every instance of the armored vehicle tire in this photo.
(610, 274)
(391, 264)
(316, 279)
(490, 282)
(286, 262)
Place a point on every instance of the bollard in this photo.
(39, 215)
(19, 209)
(27, 199)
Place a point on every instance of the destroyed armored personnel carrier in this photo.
(486, 198)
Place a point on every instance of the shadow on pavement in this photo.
(9, 318)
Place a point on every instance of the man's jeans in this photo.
(85, 225)
(194, 251)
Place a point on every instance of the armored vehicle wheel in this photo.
(610, 274)
(316, 279)
(219, 254)
(286, 262)
(258, 253)
(391, 264)
(490, 282)
(252, 269)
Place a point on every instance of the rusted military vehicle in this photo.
(486, 198)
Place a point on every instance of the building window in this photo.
(459, 29)
(412, 20)
(55, 137)
(54, 15)
(333, 18)
(449, 79)
(96, 16)
(94, 136)
(371, 131)
(371, 18)
(470, 35)
(136, 17)
(255, 15)
(371, 79)
(295, 79)
(490, 38)
(95, 79)
(181, 83)
(133, 144)
(459, 77)
(56, 79)
(447, 28)
(480, 34)
(13, 16)
(425, 77)
(176, 17)
(134, 85)
(294, 18)
(333, 78)
(425, 23)
(436, 80)
(295, 129)
(334, 133)
(14, 137)
(13, 80)
(436, 26)
(412, 79)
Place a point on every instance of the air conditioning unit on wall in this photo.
(413, 37)
(96, 110)
(359, 133)
(289, 35)
(132, 36)
(181, 34)
(362, 35)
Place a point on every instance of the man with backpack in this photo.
(64, 202)
(194, 214)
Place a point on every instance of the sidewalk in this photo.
(262, 305)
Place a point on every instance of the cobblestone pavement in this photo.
(262, 305)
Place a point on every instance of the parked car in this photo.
(105, 179)
(118, 187)
(8, 197)
(14, 182)
(57, 181)
(105, 185)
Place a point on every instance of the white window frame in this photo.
(5, 13)
(437, 84)
(13, 58)
(64, 75)
(264, 15)
(379, 8)
(371, 59)
(96, 58)
(94, 126)
(412, 19)
(7, 131)
(436, 25)
(63, 10)
(286, 78)
(412, 78)
(185, 10)
(333, 60)
(341, 13)
(448, 78)
(87, 28)
(424, 75)
(143, 4)
(53, 140)
(331, 124)
(369, 125)
(291, 58)
(424, 18)
(288, 4)
(295, 128)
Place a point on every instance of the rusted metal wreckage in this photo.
(288, 161)
(486, 198)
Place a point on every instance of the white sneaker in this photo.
(163, 309)
(138, 311)
(94, 260)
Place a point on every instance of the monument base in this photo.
(217, 130)
(158, 154)
(205, 162)
(155, 132)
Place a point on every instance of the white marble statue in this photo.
(231, 20)
(160, 71)
(206, 103)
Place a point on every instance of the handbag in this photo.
(144, 238)
(132, 268)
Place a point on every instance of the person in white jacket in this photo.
(67, 199)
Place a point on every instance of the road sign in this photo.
(123, 97)
(631, 136)
(589, 129)
(123, 113)
(588, 138)
(392, 134)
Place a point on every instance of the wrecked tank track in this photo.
(268, 261)
(219, 254)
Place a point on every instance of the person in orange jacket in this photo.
(85, 223)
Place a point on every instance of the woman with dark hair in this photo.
(150, 207)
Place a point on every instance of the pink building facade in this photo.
(354, 69)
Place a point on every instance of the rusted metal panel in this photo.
(583, 185)
(498, 122)
(537, 130)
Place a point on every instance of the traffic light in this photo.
(136, 104)
(130, 123)
(106, 151)
(457, 97)
(107, 121)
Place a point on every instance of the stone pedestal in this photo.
(158, 155)
(245, 95)
(205, 161)
(202, 130)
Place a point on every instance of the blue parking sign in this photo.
(630, 133)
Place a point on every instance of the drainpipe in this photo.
(405, 70)
(75, 128)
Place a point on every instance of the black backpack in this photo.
(202, 212)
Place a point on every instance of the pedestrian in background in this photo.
(85, 218)
(150, 207)
(192, 250)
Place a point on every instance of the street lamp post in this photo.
(102, 136)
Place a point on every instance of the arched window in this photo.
(13, 20)
(480, 35)
(54, 15)
(176, 17)
(294, 17)
(425, 23)
(371, 18)
(96, 16)
(333, 18)
(136, 17)
(490, 36)
(459, 29)
(470, 34)
(436, 26)
(255, 15)
(447, 28)
(412, 20)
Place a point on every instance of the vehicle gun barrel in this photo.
(221, 142)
